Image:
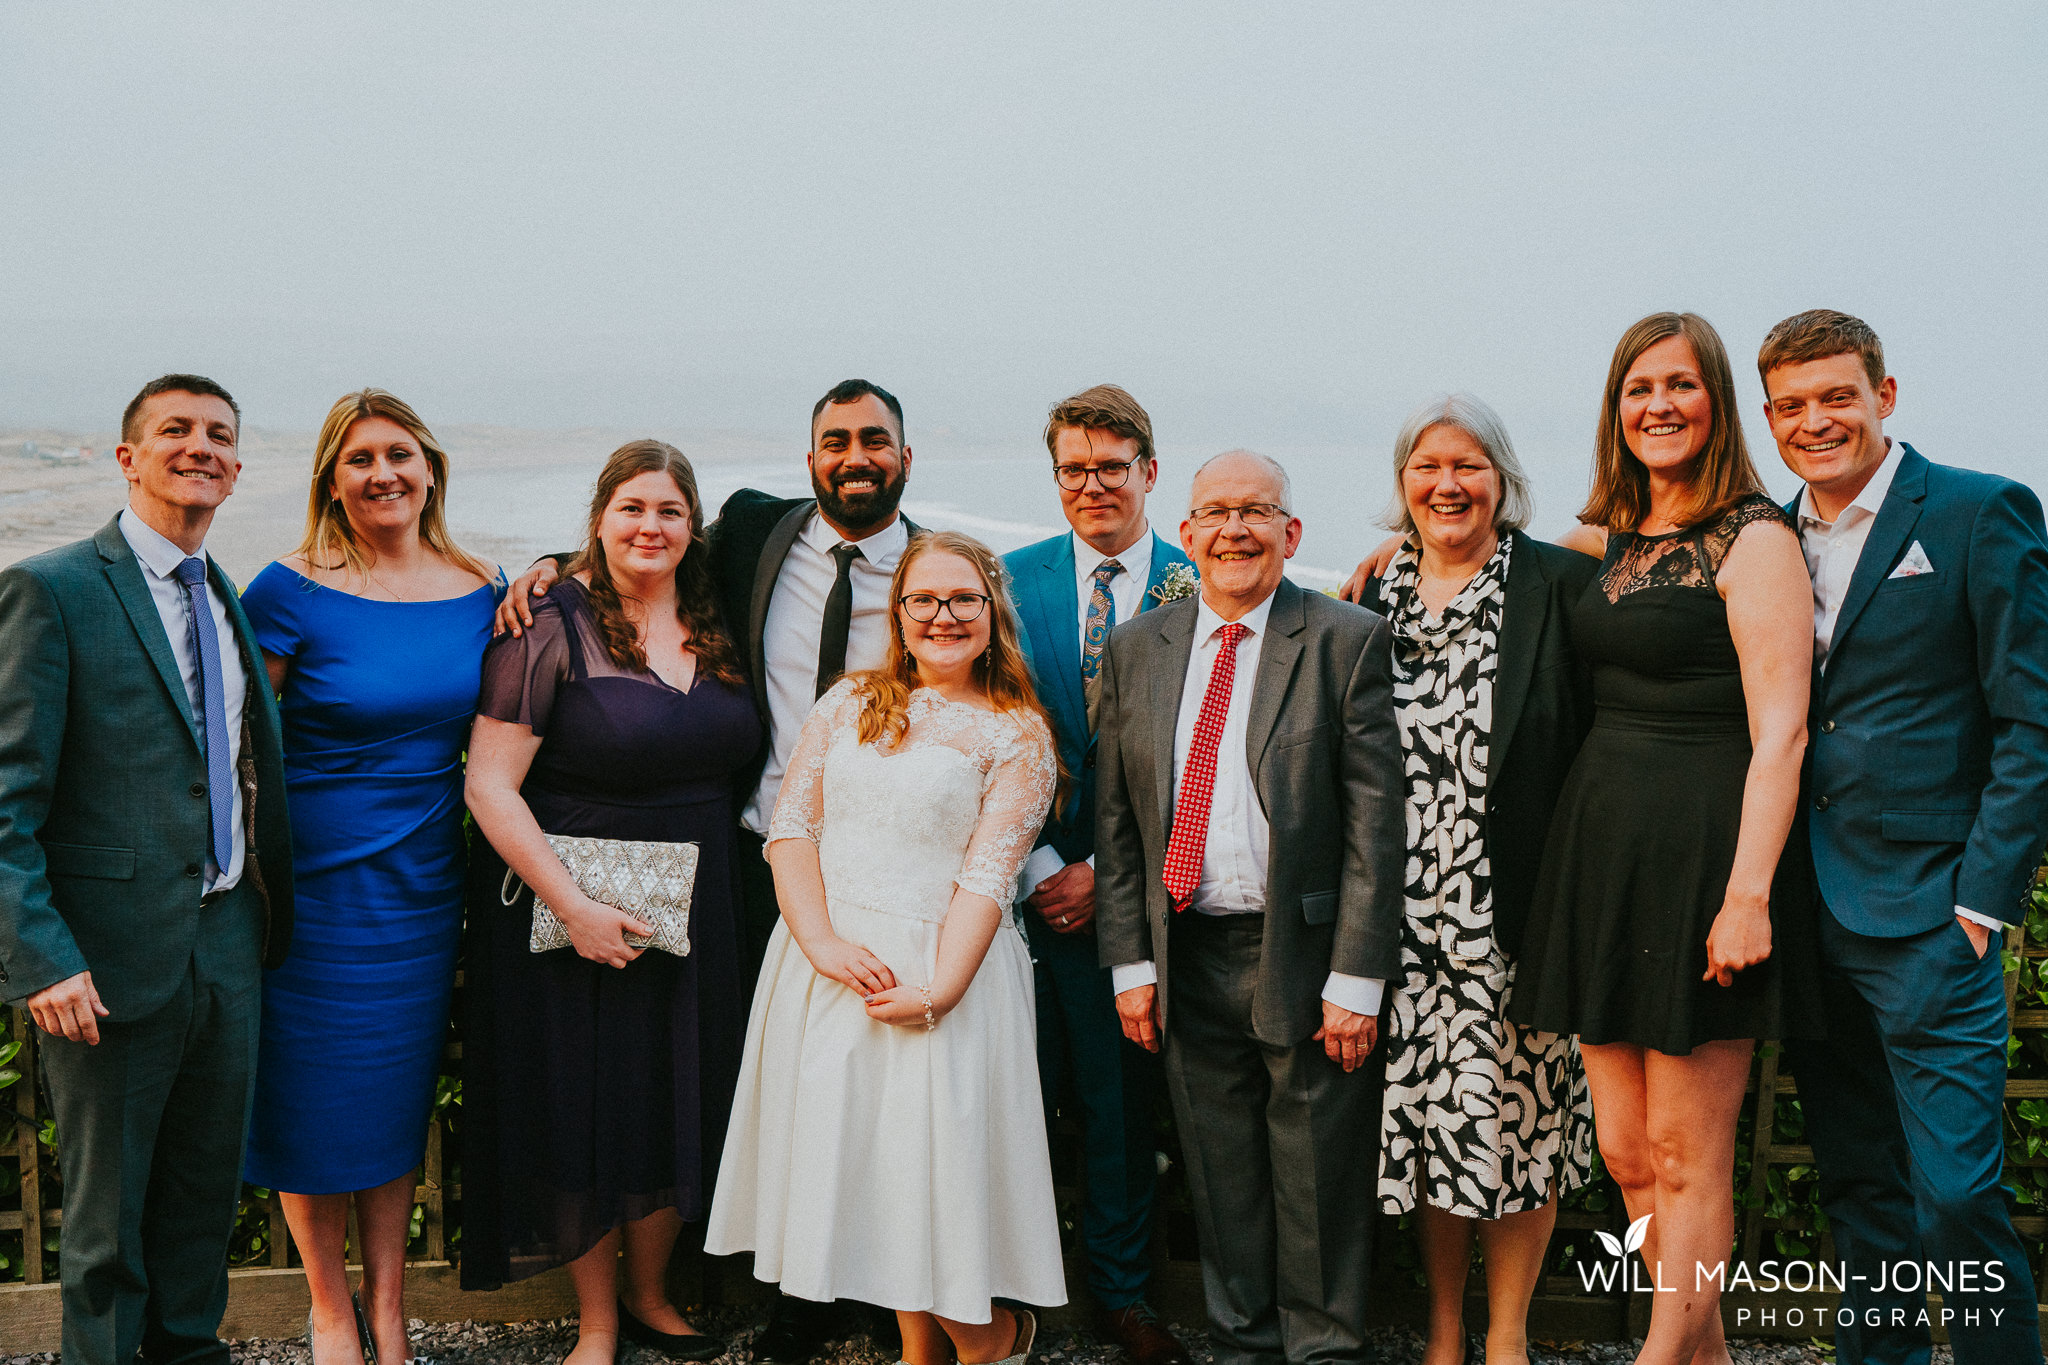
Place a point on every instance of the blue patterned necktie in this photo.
(220, 792)
(1101, 616)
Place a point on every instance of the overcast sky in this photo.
(1277, 224)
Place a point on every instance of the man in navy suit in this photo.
(1069, 591)
(1928, 807)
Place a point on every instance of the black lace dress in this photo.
(1640, 847)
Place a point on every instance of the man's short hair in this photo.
(1817, 334)
(1102, 408)
(852, 391)
(174, 383)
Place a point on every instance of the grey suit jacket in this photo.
(1325, 756)
(103, 801)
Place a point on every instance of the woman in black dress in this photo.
(599, 1077)
(1664, 932)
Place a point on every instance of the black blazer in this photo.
(1542, 709)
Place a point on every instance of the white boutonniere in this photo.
(1181, 581)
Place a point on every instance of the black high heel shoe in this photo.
(678, 1345)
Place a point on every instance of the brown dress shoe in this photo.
(1141, 1335)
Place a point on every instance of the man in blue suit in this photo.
(1927, 799)
(1069, 591)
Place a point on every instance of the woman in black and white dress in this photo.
(1484, 1123)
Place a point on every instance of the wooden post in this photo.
(27, 1144)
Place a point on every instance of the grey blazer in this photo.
(103, 812)
(1325, 756)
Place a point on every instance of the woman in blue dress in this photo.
(374, 632)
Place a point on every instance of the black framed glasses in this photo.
(1251, 514)
(923, 607)
(1110, 474)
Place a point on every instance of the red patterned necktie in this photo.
(1198, 775)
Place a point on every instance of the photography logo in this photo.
(1621, 1272)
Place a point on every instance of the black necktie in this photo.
(838, 617)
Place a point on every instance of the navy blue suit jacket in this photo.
(1928, 762)
(1048, 602)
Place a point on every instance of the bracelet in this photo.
(930, 1020)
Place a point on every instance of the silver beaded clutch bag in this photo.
(651, 881)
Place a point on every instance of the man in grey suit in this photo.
(1249, 837)
(145, 878)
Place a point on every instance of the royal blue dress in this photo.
(376, 709)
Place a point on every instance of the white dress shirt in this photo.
(160, 558)
(790, 636)
(1235, 852)
(1832, 549)
(1127, 593)
(1126, 590)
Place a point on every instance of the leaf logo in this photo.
(1632, 1240)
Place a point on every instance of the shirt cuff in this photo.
(1132, 975)
(1043, 862)
(1973, 917)
(1359, 994)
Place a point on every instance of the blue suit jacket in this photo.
(1048, 602)
(1928, 762)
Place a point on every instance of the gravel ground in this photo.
(545, 1343)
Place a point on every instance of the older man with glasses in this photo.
(1250, 832)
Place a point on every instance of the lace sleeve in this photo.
(800, 807)
(1014, 799)
(1719, 538)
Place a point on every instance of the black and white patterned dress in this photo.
(1481, 1117)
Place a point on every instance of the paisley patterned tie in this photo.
(1101, 616)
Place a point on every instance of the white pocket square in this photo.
(1914, 564)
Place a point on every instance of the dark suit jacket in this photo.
(103, 809)
(749, 541)
(1542, 709)
(1326, 763)
(1927, 770)
(1048, 601)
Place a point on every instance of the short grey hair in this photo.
(1473, 417)
(1272, 465)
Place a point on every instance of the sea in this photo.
(1006, 499)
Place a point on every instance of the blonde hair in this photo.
(330, 542)
(1004, 676)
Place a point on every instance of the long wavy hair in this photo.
(330, 541)
(1001, 672)
(1620, 497)
(696, 599)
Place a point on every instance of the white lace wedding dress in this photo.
(875, 1162)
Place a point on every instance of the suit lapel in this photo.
(1056, 608)
(1522, 610)
(124, 573)
(1168, 676)
(773, 551)
(1164, 558)
(1889, 534)
(1278, 655)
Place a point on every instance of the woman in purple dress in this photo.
(599, 1076)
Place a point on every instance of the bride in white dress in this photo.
(888, 1141)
